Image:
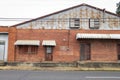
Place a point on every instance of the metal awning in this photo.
(49, 43)
(27, 42)
(97, 36)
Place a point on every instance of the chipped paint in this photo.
(84, 13)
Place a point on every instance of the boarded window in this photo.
(94, 23)
(28, 49)
(85, 51)
(74, 23)
(118, 51)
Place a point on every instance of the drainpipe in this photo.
(103, 15)
(68, 39)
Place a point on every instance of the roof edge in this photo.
(83, 4)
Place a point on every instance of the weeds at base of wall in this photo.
(57, 68)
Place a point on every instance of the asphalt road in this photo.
(58, 75)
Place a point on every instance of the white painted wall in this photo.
(4, 37)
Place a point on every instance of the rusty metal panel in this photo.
(61, 20)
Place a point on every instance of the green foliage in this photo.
(118, 8)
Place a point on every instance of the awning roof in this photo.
(27, 42)
(49, 43)
(97, 36)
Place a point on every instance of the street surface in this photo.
(58, 75)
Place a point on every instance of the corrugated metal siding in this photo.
(27, 42)
(49, 43)
(97, 36)
(61, 20)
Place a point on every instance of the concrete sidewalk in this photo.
(58, 68)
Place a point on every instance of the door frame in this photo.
(83, 55)
(118, 55)
(49, 55)
(2, 42)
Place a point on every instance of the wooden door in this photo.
(48, 54)
(85, 51)
(118, 51)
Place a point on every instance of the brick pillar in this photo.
(11, 46)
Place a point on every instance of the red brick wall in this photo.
(67, 49)
(4, 29)
(11, 47)
(59, 54)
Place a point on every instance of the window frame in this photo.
(94, 23)
(28, 49)
(50, 49)
(74, 23)
(118, 51)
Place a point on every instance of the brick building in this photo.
(3, 43)
(79, 33)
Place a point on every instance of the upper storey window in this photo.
(74, 23)
(94, 23)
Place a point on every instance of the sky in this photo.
(37, 8)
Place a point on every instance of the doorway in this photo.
(85, 51)
(49, 53)
(2, 50)
(118, 51)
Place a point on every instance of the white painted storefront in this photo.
(3, 46)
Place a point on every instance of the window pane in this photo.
(77, 22)
(49, 50)
(74, 23)
(94, 23)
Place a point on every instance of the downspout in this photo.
(68, 40)
(103, 15)
(69, 20)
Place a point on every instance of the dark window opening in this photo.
(28, 49)
(74, 23)
(94, 23)
(77, 22)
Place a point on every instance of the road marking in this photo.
(102, 77)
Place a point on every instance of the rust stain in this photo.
(86, 11)
(61, 21)
(80, 13)
(92, 14)
(116, 21)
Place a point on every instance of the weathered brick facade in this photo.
(62, 27)
(67, 48)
